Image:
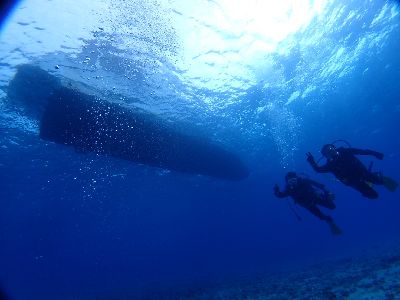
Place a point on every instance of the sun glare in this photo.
(224, 32)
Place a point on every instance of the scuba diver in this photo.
(309, 193)
(351, 171)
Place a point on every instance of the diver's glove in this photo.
(276, 189)
(310, 158)
(378, 155)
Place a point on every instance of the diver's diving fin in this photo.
(334, 228)
(390, 183)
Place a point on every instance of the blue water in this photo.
(80, 225)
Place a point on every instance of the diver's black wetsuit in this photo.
(307, 196)
(351, 171)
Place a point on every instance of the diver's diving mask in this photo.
(330, 152)
(292, 182)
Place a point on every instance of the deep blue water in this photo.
(80, 225)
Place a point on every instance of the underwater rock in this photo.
(73, 117)
(319, 281)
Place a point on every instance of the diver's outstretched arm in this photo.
(355, 151)
(314, 165)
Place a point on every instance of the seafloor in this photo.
(368, 277)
